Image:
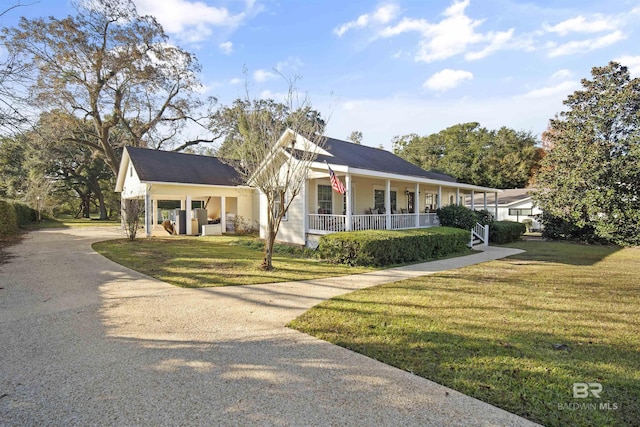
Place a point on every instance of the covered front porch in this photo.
(382, 202)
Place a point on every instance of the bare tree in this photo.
(132, 209)
(276, 163)
(113, 67)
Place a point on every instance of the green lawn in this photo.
(67, 221)
(490, 331)
(216, 261)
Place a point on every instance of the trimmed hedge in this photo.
(506, 231)
(382, 247)
(24, 214)
(14, 215)
(8, 218)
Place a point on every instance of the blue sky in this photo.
(397, 67)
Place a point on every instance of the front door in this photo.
(411, 199)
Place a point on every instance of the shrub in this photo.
(24, 214)
(556, 228)
(8, 218)
(484, 217)
(506, 232)
(458, 216)
(381, 247)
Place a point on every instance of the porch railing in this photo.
(368, 222)
(327, 222)
(332, 223)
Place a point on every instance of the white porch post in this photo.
(155, 212)
(439, 196)
(485, 200)
(473, 202)
(347, 194)
(496, 205)
(458, 196)
(147, 212)
(188, 216)
(223, 214)
(416, 204)
(305, 207)
(387, 203)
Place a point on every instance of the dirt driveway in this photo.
(84, 341)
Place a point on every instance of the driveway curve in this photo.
(85, 341)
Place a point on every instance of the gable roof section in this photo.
(168, 166)
(362, 157)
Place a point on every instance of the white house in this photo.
(383, 191)
(515, 204)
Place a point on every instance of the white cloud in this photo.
(382, 119)
(226, 47)
(562, 74)
(580, 24)
(632, 63)
(564, 88)
(263, 75)
(383, 15)
(192, 21)
(497, 41)
(291, 63)
(235, 81)
(586, 45)
(447, 79)
(453, 35)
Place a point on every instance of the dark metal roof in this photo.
(169, 166)
(375, 159)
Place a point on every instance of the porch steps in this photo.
(479, 235)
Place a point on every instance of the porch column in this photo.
(188, 216)
(147, 213)
(347, 194)
(485, 200)
(473, 202)
(439, 196)
(305, 207)
(416, 204)
(458, 196)
(496, 205)
(223, 214)
(387, 203)
(155, 213)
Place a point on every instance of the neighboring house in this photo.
(384, 191)
(514, 204)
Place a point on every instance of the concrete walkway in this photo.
(84, 341)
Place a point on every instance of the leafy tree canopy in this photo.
(590, 179)
(502, 158)
(113, 67)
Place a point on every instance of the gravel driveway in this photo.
(84, 341)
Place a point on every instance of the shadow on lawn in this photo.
(540, 252)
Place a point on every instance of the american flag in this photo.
(335, 182)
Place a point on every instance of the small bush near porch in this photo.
(381, 248)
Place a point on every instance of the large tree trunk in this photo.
(100, 196)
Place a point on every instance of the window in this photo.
(520, 212)
(325, 199)
(378, 200)
(431, 201)
(278, 205)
